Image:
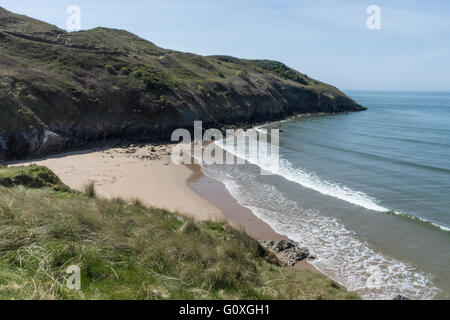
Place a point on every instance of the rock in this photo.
(400, 297)
(74, 114)
(267, 243)
(284, 245)
(7, 182)
(290, 249)
(3, 147)
(279, 246)
(3, 142)
(296, 254)
(51, 142)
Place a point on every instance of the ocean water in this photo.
(367, 192)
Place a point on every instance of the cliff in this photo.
(61, 90)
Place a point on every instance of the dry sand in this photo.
(146, 172)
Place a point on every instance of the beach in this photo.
(143, 172)
(146, 172)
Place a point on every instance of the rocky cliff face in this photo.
(60, 90)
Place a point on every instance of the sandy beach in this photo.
(146, 172)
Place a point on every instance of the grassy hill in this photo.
(60, 89)
(128, 251)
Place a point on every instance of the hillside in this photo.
(60, 89)
(128, 251)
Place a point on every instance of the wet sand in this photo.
(237, 215)
(146, 172)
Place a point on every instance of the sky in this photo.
(326, 39)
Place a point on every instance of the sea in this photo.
(367, 192)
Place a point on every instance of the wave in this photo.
(383, 158)
(311, 181)
(409, 140)
(340, 253)
(336, 190)
(423, 221)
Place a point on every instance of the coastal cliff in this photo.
(60, 90)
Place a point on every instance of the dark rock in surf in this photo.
(400, 297)
(290, 249)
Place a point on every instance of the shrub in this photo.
(163, 100)
(32, 176)
(137, 74)
(282, 71)
(242, 73)
(111, 70)
(125, 70)
(189, 227)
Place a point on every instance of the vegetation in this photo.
(30, 176)
(128, 251)
(89, 190)
(90, 83)
(282, 71)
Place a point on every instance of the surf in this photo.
(311, 181)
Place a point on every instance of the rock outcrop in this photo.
(290, 249)
(60, 90)
(400, 297)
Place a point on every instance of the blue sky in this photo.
(327, 40)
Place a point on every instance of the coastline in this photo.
(137, 171)
(215, 192)
(144, 171)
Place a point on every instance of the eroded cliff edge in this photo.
(60, 90)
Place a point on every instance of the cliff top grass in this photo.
(49, 75)
(126, 250)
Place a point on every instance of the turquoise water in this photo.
(397, 153)
(368, 192)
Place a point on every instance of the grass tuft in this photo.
(189, 227)
(89, 189)
(32, 176)
(126, 250)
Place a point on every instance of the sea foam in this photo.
(311, 181)
(341, 254)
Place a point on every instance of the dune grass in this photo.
(126, 250)
(32, 176)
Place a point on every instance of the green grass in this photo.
(32, 176)
(129, 251)
(282, 71)
(49, 76)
